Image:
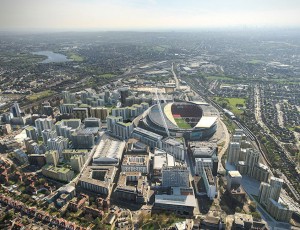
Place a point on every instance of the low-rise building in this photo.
(242, 221)
(181, 201)
(21, 156)
(135, 163)
(58, 173)
(132, 186)
(98, 179)
(109, 151)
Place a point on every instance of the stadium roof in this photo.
(206, 122)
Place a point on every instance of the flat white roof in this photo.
(206, 122)
(181, 200)
(234, 174)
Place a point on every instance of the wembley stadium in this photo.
(183, 119)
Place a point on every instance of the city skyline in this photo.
(146, 15)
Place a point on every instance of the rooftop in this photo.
(56, 169)
(206, 122)
(176, 198)
(234, 174)
(109, 149)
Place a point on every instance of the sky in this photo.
(146, 14)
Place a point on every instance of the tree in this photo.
(252, 206)
(256, 215)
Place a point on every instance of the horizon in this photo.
(150, 15)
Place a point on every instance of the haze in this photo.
(146, 14)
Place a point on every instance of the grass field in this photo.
(255, 62)
(40, 95)
(182, 123)
(218, 78)
(107, 75)
(75, 57)
(233, 103)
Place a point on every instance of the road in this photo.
(225, 146)
(174, 74)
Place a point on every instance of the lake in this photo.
(52, 57)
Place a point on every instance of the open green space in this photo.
(157, 221)
(218, 78)
(255, 61)
(75, 57)
(40, 95)
(232, 103)
(107, 75)
(182, 123)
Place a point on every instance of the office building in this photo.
(47, 134)
(123, 130)
(209, 183)
(52, 157)
(92, 122)
(81, 113)
(111, 121)
(42, 124)
(174, 147)
(31, 133)
(77, 163)
(234, 152)
(147, 137)
(58, 143)
(99, 112)
(177, 176)
(60, 174)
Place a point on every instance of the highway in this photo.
(173, 69)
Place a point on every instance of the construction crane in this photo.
(161, 113)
